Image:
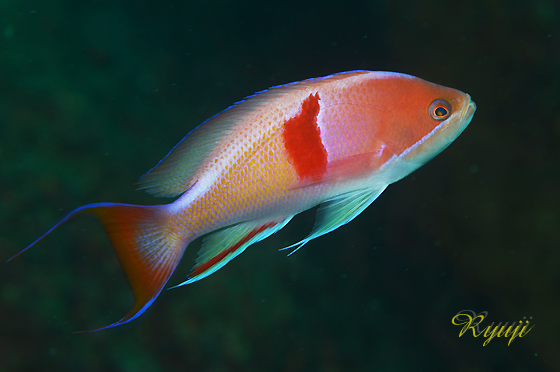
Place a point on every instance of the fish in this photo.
(336, 141)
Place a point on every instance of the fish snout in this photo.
(469, 109)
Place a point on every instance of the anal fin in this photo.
(339, 211)
(223, 246)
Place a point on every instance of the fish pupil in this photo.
(441, 112)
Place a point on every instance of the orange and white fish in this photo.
(242, 175)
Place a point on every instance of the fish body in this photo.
(338, 141)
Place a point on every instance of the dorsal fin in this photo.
(174, 174)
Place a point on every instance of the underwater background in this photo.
(94, 93)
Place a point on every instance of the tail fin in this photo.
(147, 250)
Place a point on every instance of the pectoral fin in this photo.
(351, 167)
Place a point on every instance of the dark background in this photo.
(94, 93)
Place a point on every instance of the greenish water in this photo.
(94, 93)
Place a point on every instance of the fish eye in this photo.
(439, 110)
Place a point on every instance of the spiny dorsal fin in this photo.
(174, 174)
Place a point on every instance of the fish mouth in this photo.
(469, 110)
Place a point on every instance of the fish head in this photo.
(420, 120)
(440, 117)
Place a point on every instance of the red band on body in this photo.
(302, 140)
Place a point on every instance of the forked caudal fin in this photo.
(147, 250)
